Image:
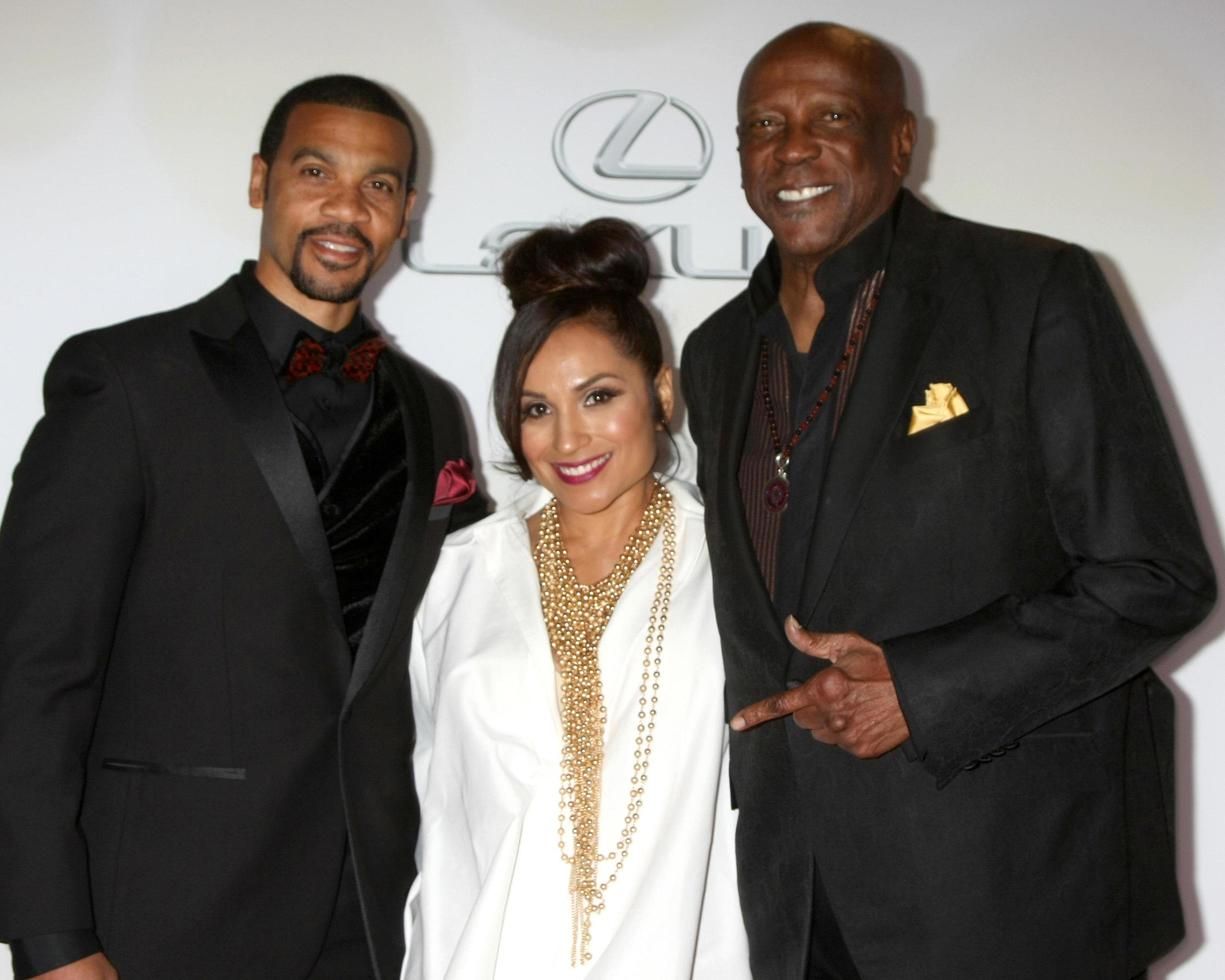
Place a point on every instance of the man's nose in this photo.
(346, 203)
(797, 143)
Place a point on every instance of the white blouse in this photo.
(492, 899)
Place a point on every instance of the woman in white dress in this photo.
(566, 676)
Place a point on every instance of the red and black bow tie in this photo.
(354, 363)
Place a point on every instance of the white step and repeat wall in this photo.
(128, 127)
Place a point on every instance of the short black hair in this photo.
(345, 91)
(556, 275)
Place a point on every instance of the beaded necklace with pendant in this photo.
(778, 490)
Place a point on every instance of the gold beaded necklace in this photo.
(576, 616)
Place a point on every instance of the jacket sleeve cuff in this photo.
(41, 954)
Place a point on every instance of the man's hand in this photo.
(96, 967)
(851, 704)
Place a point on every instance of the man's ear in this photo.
(259, 182)
(903, 143)
(409, 200)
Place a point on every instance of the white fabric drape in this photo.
(492, 899)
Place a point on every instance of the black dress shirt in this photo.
(839, 281)
(326, 408)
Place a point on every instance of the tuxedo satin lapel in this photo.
(417, 533)
(238, 368)
(903, 321)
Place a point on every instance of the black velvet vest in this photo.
(360, 502)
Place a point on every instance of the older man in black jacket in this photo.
(949, 534)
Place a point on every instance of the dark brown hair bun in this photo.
(606, 253)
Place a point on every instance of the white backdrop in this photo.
(128, 127)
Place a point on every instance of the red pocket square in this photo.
(456, 483)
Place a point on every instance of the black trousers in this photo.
(828, 957)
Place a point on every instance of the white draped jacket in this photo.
(492, 899)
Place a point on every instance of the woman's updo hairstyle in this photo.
(593, 274)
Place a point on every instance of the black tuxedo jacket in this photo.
(186, 739)
(1021, 565)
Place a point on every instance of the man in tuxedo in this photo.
(210, 558)
(949, 533)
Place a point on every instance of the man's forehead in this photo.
(312, 122)
(343, 119)
(828, 53)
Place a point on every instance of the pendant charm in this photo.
(777, 492)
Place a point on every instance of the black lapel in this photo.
(239, 369)
(880, 397)
(398, 592)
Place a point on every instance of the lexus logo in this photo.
(612, 176)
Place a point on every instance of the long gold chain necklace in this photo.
(576, 616)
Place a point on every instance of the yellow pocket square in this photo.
(941, 402)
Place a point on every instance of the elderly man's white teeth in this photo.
(337, 247)
(803, 193)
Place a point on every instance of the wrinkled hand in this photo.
(95, 967)
(852, 704)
